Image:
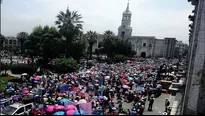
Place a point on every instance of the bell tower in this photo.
(125, 30)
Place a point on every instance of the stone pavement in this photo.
(158, 106)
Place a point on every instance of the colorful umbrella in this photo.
(70, 107)
(70, 112)
(63, 100)
(59, 107)
(78, 112)
(125, 86)
(82, 101)
(36, 79)
(59, 113)
(130, 78)
(50, 108)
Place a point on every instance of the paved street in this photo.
(158, 106)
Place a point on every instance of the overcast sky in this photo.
(160, 18)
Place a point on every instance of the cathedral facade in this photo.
(144, 46)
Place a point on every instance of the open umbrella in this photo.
(59, 107)
(50, 108)
(125, 86)
(70, 107)
(63, 100)
(78, 112)
(82, 101)
(70, 112)
(36, 79)
(130, 79)
(59, 113)
(16, 97)
(141, 75)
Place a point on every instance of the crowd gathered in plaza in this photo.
(102, 89)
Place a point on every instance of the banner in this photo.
(87, 107)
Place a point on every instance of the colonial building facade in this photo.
(8, 44)
(145, 46)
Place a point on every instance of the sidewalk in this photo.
(159, 105)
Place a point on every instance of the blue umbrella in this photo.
(63, 100)
(59, 113)
(35, 81)
(77, 112)
(141, 75)
(72, 92)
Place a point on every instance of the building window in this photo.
(6, 41)
(123, 34)
(144, 44)
(10, 41)
(14, 42)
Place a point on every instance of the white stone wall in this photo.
(159, 47)
(195, 103)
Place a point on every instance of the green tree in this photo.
(2, 38)
(108, 44)
(44, 43)
(65, 65)
(32, 44)
(92, 39)
(79, 46)
(50, 44)
(22, 36)
(69, 24)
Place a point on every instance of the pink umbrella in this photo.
(25, 90)
(70, 107)
(65, 77)
(82, 101)
(36, 79)
(50, 108)
(59, 107)
(75, 77)
(70, 112)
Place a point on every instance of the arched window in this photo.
(144, 44)
(10, 41)
(123, 34)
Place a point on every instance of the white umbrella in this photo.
(125, 86)
(24, 74)
(107, 77)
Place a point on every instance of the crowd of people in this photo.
(106, 89)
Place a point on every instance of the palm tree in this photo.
(108, 34)
(22, 36)
(92, 39)
(69, 24)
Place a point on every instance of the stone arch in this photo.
(143, 54)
